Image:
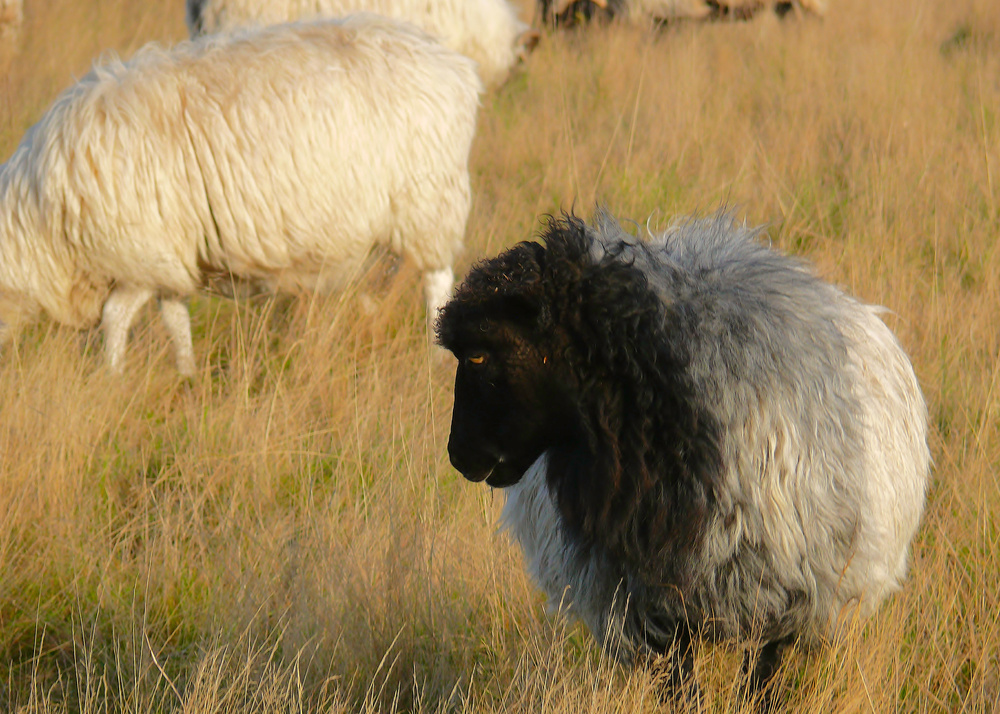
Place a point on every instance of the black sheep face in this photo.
(510, 402)
(502, 417)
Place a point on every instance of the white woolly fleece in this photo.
(488, 31)
(279, 156)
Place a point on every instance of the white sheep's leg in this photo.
(175, 316)
(119, 312)
(437, 290)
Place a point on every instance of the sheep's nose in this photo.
(473, 466)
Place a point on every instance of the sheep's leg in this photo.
(761, 671)
(175, 316)
(119, 311)
(437, 290)
(677, 667)
(682, 679)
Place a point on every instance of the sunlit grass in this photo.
(284, 532)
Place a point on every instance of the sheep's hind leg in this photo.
(176, 317)
(119, 311)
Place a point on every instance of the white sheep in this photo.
(696, 436)
(279, 156)
(488, 31)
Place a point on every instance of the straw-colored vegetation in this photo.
(284, 532)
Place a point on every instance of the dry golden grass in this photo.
(284, 533)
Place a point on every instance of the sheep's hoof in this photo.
(674, 676)
(759, 670)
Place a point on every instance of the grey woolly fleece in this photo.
(822, 451)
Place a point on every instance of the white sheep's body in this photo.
(279, 156)
(488, 31)
(823, 444)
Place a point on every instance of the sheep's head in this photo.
(509, 403)
(564, 349)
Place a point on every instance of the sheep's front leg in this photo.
(671, 657)
(119, 311)
(761, 670)
(175, 316)
(681, 681)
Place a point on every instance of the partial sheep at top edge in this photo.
(571, 12)
(487, 31)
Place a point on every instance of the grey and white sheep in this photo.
(279, 156)
(488, 31)
(697, 438)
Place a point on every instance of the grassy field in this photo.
(283, 533)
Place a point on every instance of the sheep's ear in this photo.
(604, 304)
(537, 251)
(567, 252)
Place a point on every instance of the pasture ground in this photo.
(284, 533)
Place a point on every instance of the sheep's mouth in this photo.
(501, 474)
(501, 478)
(504, 473)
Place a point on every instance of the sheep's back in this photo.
(286, 151)
(823, 433)
(823, 440)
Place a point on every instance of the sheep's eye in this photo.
(477, 358)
